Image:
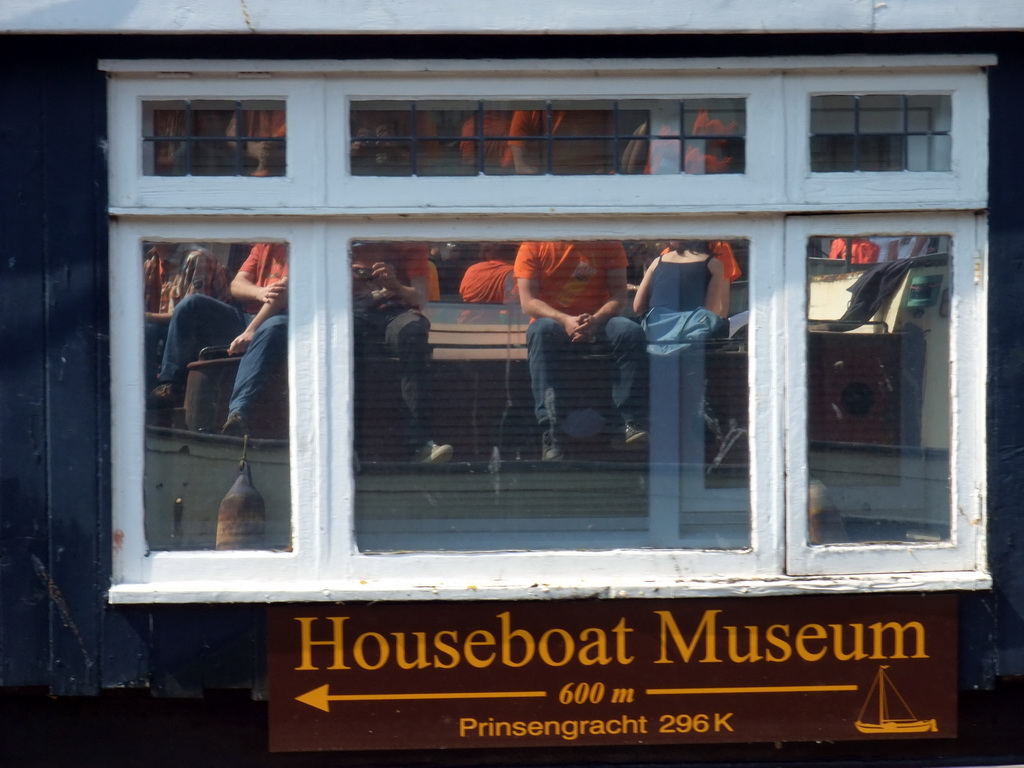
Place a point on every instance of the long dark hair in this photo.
(695, 246)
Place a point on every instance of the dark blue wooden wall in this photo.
(56, 630)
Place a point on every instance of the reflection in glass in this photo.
(216, 444)
(477, 428)
(467, 138)
(878, 388)
(880, 132)
(213, 138)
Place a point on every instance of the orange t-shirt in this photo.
(268, 263)
(572, 276)
(487, 282)
(862, 251)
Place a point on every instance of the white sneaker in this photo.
(432, 453)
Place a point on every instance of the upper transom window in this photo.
(213, 138)
(428, 138)
(880, 132)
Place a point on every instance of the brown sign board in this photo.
(417, 675)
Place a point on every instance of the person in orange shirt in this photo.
(490, 280)
(581, 141)
(575, 293)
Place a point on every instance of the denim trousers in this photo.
(401, 333)
(552, 357)
(201, 321)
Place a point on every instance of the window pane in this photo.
(382, 139)
(880, 132)
(881, 114)
(214, 138)
(465, 138)
(833, 114)
(878, 388)
(463, 443)
(929, 153)
(929, 114)
(217, 460)
(881, 153)
(833, 153)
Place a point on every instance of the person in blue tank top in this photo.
(684, 278)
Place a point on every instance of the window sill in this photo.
(265, 592)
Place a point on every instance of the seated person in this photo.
(490, 280)
(167, 280)
(575, 292)
(389, 287)
(688, 276)
(258, 332)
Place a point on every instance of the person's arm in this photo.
(524, 154)
(535, 307)
(717, 298)
(643, 293)
(245, 289)
(618, 290)
(274, 302)
(416, 294)
(618, 297)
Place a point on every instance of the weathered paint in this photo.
(319, 17)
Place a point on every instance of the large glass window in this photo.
(215, 367)
(734, 362)
(490, 420)
(878, 388)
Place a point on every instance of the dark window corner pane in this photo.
(442, 158)
(376, 157)
(833, 114)
(832, 154)
(882, 153)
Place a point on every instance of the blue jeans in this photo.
(551, 356)
(404, 334)
(201, 321)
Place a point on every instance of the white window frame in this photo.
(965, 184)
(302, 184)
(968, 322)
(317, 208)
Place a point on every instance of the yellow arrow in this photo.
(322, 697)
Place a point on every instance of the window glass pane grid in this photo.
(214, 138)
(879, 133)
(407, 138)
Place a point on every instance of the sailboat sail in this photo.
(885, 710)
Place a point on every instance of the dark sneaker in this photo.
(635, 436)
(235, 426)
(432, 453)
(163, 396)
(550, 449)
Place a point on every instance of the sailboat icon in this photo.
(882, 703)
